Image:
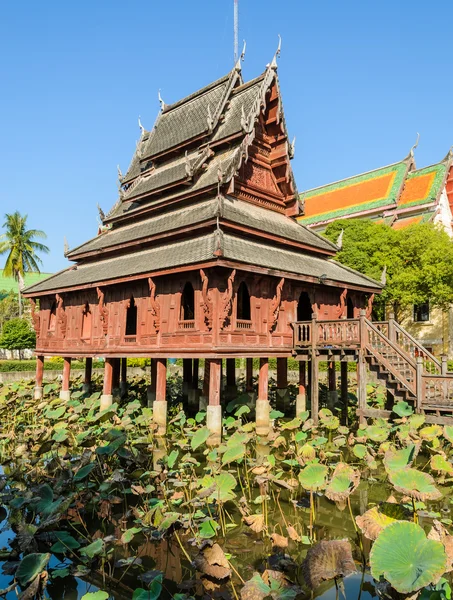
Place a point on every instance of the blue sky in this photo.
(358, 78)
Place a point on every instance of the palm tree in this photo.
(21, 247)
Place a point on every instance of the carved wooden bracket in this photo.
(103, 311)
(275, 305)
(208, 308)
(226, 301)
(36, 318)
(62, 318)
(342, 307)
(154, 304)
(369, 308)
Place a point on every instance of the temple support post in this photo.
(107, 397)
(214, 410)
(262, 403)
(65, 393)
(160, 403)
(301, 399)
(37, 394)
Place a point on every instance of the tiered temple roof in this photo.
(211, 184)
(399, 195)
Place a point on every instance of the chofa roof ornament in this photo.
(415, 145)
(161, 102)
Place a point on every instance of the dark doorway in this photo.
(243, 303)
(131, 318)
(304, 308)
(350, 309)
(188, 303)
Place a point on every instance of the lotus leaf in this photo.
(111, 448)
(359, 450)
(172, 458)
(441, 464)
(406, 558)
(400, 459)
(84, 472)
(430, 432)
(170, 519)
(233, 454)
(219, 487)
(402, 409)
(155, 590)
(93, 549)
(30, 567)
(208, 529)
(65, 542)
(313, 477)
(199, 438)
(99, 595)
(374, 520)
(415, 484)
(326, 560)
(377, 434)
(276, 414)
(128, 535)
(448, 433)
(237, 439)
(344, 481)
(293, 424)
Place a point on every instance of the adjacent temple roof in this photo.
(398, 194)
(211, 184)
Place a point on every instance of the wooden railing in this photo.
(186, 324)
(414, 367)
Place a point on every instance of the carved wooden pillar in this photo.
(160, 403)
(361, 387)
(282, 385)
(106, 398)
(88, 372)
(332, 396)
(344, 391)
(39, 377)
(249, 375)
(123, 382)
(231, 377)
(65, 392)
(262, 403)
(214, 410)
(301, 400)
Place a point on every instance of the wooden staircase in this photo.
(409, 371)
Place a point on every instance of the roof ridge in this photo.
(169, 107)
(248, 84)
(448, 158)
(407, 159)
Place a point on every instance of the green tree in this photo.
(9, 306)
(17, 334)
(19, 242)
(418, 261)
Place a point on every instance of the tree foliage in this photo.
(9, 307)
(418, 261)
(17, 334)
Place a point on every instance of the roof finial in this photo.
(209, 118)
(65, 246)
(140, 125)
(292, 148)
(384, 275)
(243, 50)
(273, 64)
(120, 174)
(340, 239)
(415, 145)
(162, 103)
(101, 213)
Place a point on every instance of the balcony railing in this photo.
(184, 325)
(243, 324)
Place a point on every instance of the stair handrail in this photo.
(420, 348)
(403, 355)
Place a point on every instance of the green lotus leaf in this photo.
(219, 487)
(170, 519)
(415, 484)
(237, 439)
(208, 529)
(30, 567)
(374, 520)
(199, 438)
(93, 549)
(416, 421)
(377, 434)
(154, 591)
(406, 558)
(313, 477)
(403, 409)
(84, 472)
(172, 458)
(359, 450)
(441, 464)
(430, 432)
(293, 424)
(344, 481)
(232, 454)
(448, 433)
(65, 543)
(400, 459)
(99, 595)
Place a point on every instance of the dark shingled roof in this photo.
(186, 119)
(198, 250)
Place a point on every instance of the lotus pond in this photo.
(94, 506)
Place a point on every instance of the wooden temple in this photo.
(201, 257)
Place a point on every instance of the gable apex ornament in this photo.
(415, 145)
(161, 102)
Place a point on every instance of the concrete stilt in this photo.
(214, 410)
(65, 393)
(262, 409)
(38, 393)
(107, 397)
(151, 390)
(160, 403)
